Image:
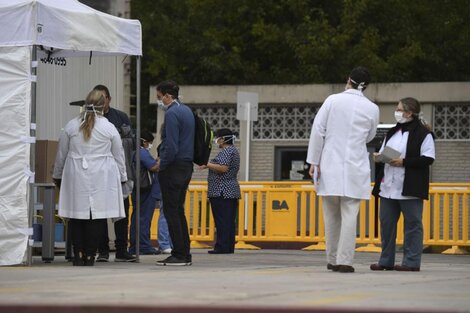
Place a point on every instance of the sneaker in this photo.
(152, 252)
(334, 268)
(103, 257)
(124, 256)
(174, 261)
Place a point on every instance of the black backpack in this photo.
(202, 140)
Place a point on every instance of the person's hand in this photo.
(203, 167)
(375, 157)
(396, 162)
(313, 169)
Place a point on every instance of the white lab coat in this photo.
(340, 131)
(91, 171)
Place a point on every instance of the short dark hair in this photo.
(102, 88)
(146, 135)
(360, 76)
(225, 132)
(169, 87)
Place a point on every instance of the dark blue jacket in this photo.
(177, 135)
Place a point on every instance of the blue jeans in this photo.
(147, 208)
(164, 240)
(412, 210)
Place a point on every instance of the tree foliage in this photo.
(205, 42)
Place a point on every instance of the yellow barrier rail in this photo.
(292, 212)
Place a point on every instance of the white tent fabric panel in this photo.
(59, 85)
(15, 101)
(67, 25)
(57, 28)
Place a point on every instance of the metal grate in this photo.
(282, 122)
(452, 122)
(220, 117)
(275, 122)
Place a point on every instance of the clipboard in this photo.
(388, 154)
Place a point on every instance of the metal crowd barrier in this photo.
(292, 212)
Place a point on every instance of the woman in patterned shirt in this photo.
(224, 190)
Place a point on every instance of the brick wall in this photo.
(452, 162)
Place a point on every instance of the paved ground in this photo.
(255, 279)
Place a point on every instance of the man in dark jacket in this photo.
(176, 168)
(122, 123)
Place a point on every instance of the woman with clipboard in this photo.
(402, 183)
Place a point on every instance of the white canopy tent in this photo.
(48, 28)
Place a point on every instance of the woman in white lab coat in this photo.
(338, 156)
(89, 169)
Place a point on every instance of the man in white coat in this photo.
(340, 166)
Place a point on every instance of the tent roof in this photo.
(68, 26)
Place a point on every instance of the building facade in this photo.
(278, 140)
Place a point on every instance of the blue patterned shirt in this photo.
(225, 184)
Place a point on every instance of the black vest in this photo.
(416, 182)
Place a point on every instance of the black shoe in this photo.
(89, 260)
(346, 269)
(103, 257)
(404, 268)
(152, 252)
(378, 267)
(332, 267)
(174, 261)
(124, 256)
(78, 260)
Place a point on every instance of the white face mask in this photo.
(149, 146)
(160, 103)
(400, 118)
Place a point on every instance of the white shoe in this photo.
(166, 251)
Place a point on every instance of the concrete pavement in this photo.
(286, 279)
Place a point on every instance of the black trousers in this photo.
(120, 230)
(86, 235)
(174, 181)
(224, 212)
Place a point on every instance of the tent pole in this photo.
(32, 155)
(137, 155)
